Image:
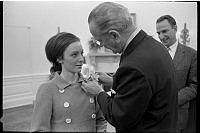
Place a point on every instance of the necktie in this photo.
(168, 49)
(170, 52)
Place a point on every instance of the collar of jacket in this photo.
(134, 43)
(62, 84)
(180, 51)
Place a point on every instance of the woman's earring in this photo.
(60, 61)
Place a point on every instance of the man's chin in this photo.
(115, 51)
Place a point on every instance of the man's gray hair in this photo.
(111, 16)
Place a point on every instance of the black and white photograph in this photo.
(99, 66)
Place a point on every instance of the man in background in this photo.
(146, 92)
(185, 62)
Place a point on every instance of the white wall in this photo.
(28, 25)
(45, 17)
(148, 12)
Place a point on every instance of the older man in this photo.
(146, 93)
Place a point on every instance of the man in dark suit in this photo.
(185, 62)
(146, 93)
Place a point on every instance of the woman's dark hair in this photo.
(56, 46)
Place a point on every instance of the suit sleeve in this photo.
(101, 123)
(189, 92)
(133, 94)
(42, 110)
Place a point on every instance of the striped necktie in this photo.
(170, 51)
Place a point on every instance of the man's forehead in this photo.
(94, 29)
(163, 26)
(163, 23)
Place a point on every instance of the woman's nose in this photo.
(82, 59)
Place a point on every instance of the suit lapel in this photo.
(133, 44)
(178, 56)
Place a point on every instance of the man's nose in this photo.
(161, 36)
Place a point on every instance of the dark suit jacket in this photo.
(146, 93)
(191, 124)
(185, 62)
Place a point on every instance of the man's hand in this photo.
(105, 79)
(92, 87)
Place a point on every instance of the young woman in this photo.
(61, 104)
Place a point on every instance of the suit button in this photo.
(93, 116)
(91, 100)
(68, 121)
(66, 104)
(62, 91)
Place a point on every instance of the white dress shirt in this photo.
(172, 49)
(131, 37)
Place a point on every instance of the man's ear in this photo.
(114, 34)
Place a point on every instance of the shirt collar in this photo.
(174, 46)
(62, 84)
(131, 37)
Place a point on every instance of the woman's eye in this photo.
(75, 54)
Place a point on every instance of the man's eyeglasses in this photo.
(97, 42)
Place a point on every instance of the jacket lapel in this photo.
(133, 44)
(178, 56)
